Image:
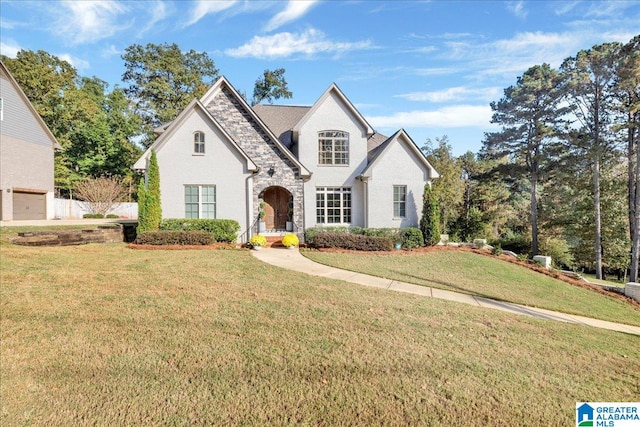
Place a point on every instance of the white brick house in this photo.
(322, 165)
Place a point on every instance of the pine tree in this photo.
(430, 221)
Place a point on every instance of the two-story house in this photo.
(303, 167)
(26, 156)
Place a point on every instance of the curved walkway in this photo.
(293, 260)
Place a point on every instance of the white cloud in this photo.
(294, 10)
(79, 64)
(7, 25)
(205, 7)
(9, 49)
(286, 44)
(455, 116)
(110, 51)
(517, 8)
(89, 21)
(454, 94)
(159, 11)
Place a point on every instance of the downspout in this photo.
(365, 196)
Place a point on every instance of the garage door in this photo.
(29, 206)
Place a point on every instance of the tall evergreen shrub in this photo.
(430, 221)
(142, 208)
(149, 210)
(154, 209)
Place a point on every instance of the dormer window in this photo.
(333, 147)
(198, 142)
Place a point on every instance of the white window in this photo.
(399, 201)
(333, 205)
(333, 147)
(198, 142)
(199, 201)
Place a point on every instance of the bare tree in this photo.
(101, 194)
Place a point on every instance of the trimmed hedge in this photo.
(223, 230)
(93, 216)
(352, 241)
(411, 238)
(172, 237)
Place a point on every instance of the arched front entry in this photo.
(278, 207)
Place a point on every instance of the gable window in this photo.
(198, 143)
(333, 205)
(399, 201)
(333, 147)
(199, 201)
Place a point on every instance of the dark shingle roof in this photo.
(281, 119)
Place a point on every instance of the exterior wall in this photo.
(332, 114)
(221, 165)
(26, 152)
(25, 165)
(396, 166)
(258, 146)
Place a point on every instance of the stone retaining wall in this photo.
(102, 234)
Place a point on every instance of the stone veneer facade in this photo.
(248, 134)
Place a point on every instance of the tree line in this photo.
(567, 153)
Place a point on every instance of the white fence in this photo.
(75, 209)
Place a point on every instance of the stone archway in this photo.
(277, 209)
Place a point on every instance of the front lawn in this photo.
(106, 335)
(471, 273)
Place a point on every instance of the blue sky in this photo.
(430, 67)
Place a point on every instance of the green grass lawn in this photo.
(471, 273)
(106, 335)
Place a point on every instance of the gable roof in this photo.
(281, 119)
(34, 112)
(223, 82)
(141, 163)
(335, 90)
(400, 137)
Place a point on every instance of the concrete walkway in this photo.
(293, 260)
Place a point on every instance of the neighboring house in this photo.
(26, 156)
(322, 165)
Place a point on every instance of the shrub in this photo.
(112, 216)
(352, 241)
(93, 215)
(393, 233)
(174, 238)
(411, 238)
(559, 251)
(430, 221)
(223, 230)
(519, 244)
(310, 233)
(497, 250)
(290, 240)
(258, 240)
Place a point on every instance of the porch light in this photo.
(271, 171)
